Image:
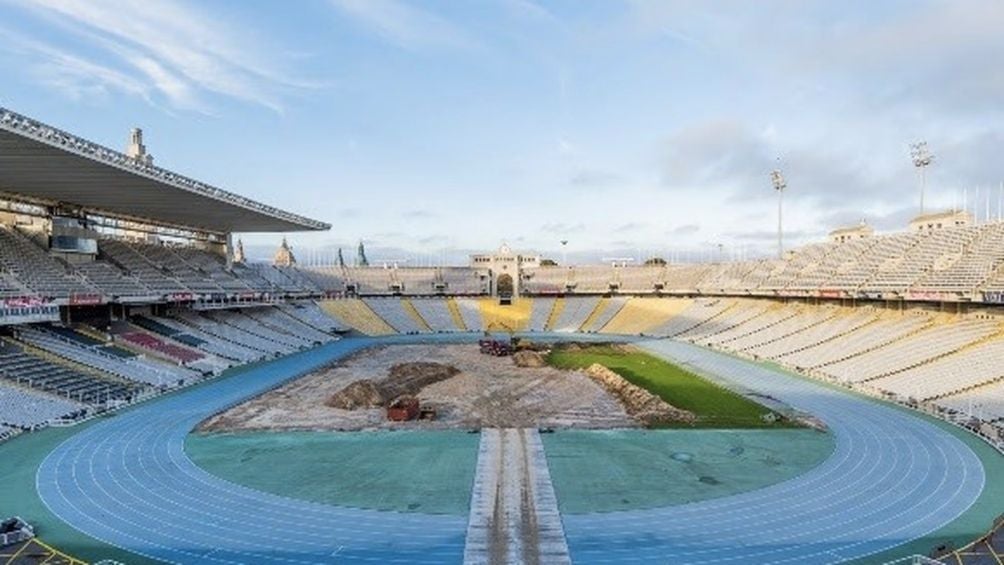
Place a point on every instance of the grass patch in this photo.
(715, 407)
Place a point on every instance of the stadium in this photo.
(163, 399)
(501, 282)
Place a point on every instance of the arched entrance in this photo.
(504, 286)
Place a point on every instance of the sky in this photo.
(627, 128)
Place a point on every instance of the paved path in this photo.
(514, 514)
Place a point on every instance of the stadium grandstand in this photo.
(122, 281)
(119, 279)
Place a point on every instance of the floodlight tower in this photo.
(921, 158)
(777, 179)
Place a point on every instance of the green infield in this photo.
(615, 470)
(404, 471)
(715, 406)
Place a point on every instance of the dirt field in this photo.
(488, 392)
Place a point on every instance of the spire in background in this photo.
(284, 255)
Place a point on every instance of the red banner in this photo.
(85, 299)
(23, 302)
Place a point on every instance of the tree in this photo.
(548, 263)
(655, 261)
(341, 260)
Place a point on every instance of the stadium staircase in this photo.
(356, 314)
(592, 323)
(682, 321)
(409, 308)
(59, 360)
(456, 316)
(880, 344)
(798, 326)
(731, 322)
(642, 315)
(556, 309)
(773, 316)
(163, 347)
(511, 318)
(997, 335)
(590, 320)
(99, 387)
(852, 327)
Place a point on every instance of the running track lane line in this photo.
(892, 477)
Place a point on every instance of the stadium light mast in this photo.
(777, 179)
(921, 158)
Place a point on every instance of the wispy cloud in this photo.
(178, 52)
(405, 25)
(71, 74)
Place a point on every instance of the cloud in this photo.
(720, 151)
(686, 229)
(895, 220)
(418, 214)
(438, 239)
(348, 213)
(70, 74)
(629, 227)
(177, 50)
(760, 236)
(733, 158)
(405, 25)
(562, 228)
(595, 179)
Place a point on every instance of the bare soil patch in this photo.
(468, 390)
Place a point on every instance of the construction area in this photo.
(434, 386)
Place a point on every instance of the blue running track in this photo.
(127, 481)
(892, 478)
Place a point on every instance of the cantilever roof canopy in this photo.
(44, 164)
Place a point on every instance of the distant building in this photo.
(136, 150)
(284, 255)
(850, 233)
(941, 220)
(239, 252)
(505, 268)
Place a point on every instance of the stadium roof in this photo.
(42, 163)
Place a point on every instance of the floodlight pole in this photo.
(777, 180)
(921, 158)
(564, 253)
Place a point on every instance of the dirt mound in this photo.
(403, 379)
(529, 358)
(648, 408)
(410, 378)
(360, 394)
